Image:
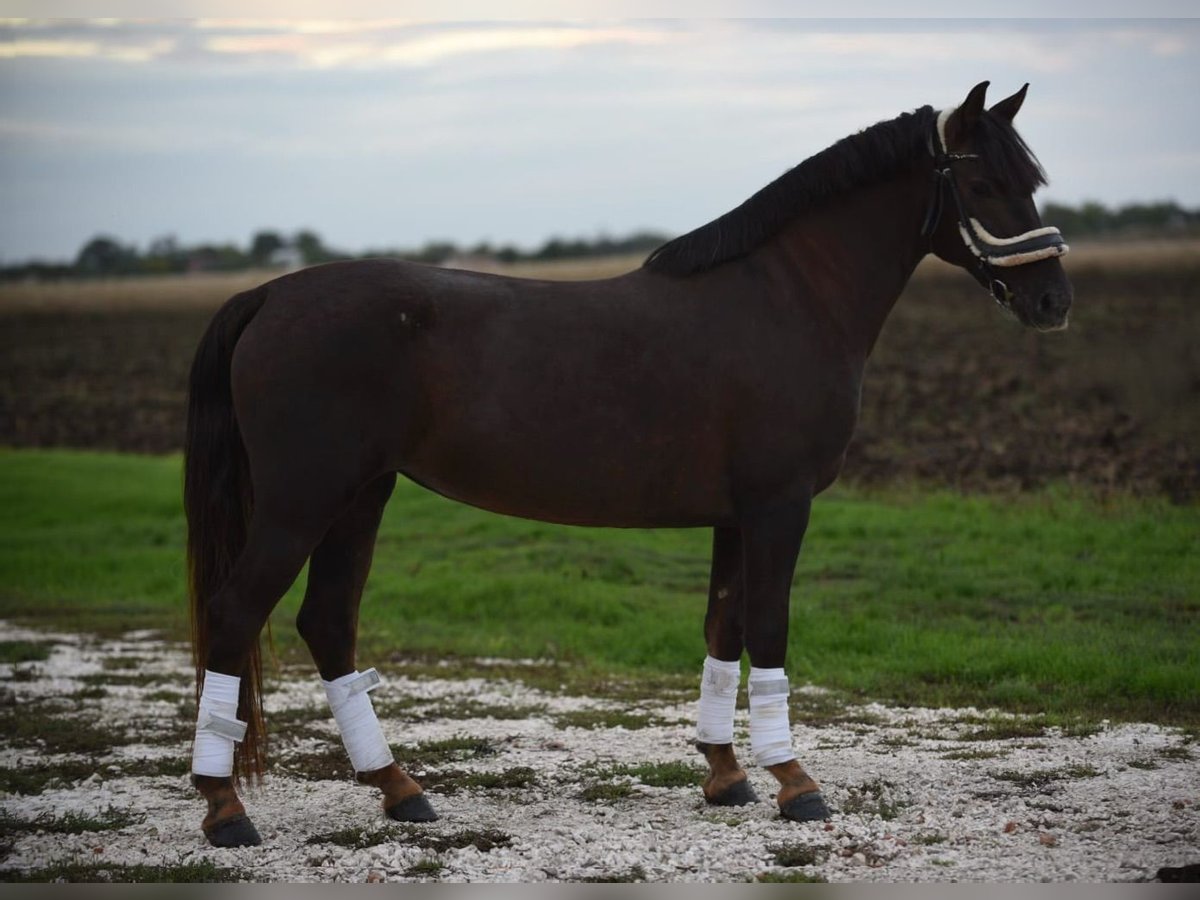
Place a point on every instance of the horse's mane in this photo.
(872, 155)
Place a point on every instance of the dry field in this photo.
(956, 394)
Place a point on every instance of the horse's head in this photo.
(982, 216)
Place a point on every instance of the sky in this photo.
(391, 133)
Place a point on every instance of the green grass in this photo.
(1052, 602)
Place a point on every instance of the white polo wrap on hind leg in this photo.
(217, 725)
(770, 733)
(350, 701)
(718, 697)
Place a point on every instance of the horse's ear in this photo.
(962, 122)
(1007, 108)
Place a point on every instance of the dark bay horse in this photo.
(716, 386)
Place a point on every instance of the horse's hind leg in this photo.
(328, 622)
(276, 547)
(726, 784)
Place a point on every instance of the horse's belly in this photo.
(575, 486)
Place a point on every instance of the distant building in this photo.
(288, 257)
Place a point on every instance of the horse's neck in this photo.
(853, 257)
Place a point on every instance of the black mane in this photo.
(870, 156)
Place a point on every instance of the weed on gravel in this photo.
(361, 837)
(974, 754)
(24, 651)
(69, 823)
(1182, 754)
(607, 718)
(426, 868)
(33, 726)
(1036, 779)
(452, 781)
(875, 798)
(357, 838)
(430, 754)
(664, 775)
(793, 855)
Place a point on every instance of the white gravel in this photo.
(1115, 805)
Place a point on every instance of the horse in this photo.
(715, 386)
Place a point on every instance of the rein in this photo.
(1045, 242)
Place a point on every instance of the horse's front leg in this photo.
(726, 784)
(770, 544)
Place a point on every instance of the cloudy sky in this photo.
(393, 133)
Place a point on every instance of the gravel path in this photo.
(98, 736)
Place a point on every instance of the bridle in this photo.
(990, 251)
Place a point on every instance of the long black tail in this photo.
(217, 498)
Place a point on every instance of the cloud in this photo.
(316, 43)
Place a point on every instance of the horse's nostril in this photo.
(1046, 304)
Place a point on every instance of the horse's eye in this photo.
(982, 189)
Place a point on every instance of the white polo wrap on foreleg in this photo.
(350, 701)
(718, 697)
(217, 725)
(770, 733)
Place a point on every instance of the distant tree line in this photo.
(1096, 220)
(104, 255)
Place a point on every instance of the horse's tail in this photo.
(217, 498)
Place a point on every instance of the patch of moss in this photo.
(1035, 779)
(28, 780)
(791, 855)
(607, 718)
(25, 651)
(974, 753)
(666, 775)
(452, 781)
(430, 754)
(483, 840)
(95, 692)
(357, 838)
(1003, 729)
(69, 823)
(34, 726)
(928, 840)
(425, 868)
(121, 663)
(329, 763)
(1175, 753)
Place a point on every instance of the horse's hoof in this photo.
(737, 794)
(412, 809)
(808, 807)
(237, 831)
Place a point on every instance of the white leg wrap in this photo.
(356, 720)
(718, 696)
(770, 733)
(217, 725)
